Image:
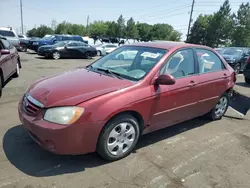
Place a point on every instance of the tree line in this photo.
(121, 29)
(223, 28)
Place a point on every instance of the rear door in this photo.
(213, 79)
(72, 50)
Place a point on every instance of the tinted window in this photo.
(72, 44)
(233, 51)
(208, 61)
(6, 44)
(128, 61)
(181, 64)
(82, 44)
(7, 33)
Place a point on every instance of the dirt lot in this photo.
(195, 154)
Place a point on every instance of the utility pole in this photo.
(21, 9)
(190, 19)
(88, 25)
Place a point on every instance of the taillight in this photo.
(19, 43)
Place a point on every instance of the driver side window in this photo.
(181, 64)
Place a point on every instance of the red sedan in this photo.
(109, 104)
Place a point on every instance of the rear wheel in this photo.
(118, 138)
(247, 80)
(17, 73)
(1, 84)
(56, 55)
(237, 68)
(220, 109)
(88, 55)
(23, 48)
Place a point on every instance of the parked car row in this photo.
(11, 36)
(10, 63)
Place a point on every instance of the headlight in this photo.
(63, 115)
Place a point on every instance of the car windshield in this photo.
(7, 33)
(129, 62)
(60, 44)
(232, 51)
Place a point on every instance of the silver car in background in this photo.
(11, 36)
(103, 49)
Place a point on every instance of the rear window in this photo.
(7, 33)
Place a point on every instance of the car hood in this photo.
(74, 87)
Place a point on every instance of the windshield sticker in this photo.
(150, 55)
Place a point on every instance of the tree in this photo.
(131, 29)
(69, 28)
(144, 31)
(112, 29)
(164, 32)
(241, 33)
(41, 31)
(98, 28)
(121, 27)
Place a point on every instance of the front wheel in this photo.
(23, 48)
(247, 80)
(221, 107)
(88, 55)
(118, 138)
(56, 55)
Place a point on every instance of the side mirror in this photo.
(165, 79)
(4, 52)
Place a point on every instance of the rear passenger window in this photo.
(208, 61)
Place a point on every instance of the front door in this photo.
(72, 50)
(178, 102)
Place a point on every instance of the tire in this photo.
(237, 68)
(220, 109)
(23, 48)
(56, 55)
(99, 53)
(247, 80)
(17, 73)
(1, 85)
(118, 127)
(88, 55)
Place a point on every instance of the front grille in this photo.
(30, 108)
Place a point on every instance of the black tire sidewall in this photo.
(102, 146)
(247, 80)
(212, 113)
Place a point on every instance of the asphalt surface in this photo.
(194, 154)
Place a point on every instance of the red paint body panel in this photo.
(103, 97)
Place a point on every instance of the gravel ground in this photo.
(194, 154)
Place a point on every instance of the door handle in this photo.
(225, 75)
(192, 83)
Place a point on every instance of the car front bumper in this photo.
(60, 139)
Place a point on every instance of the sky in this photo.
(173, 12)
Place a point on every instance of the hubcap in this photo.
(237, 68)
(56, 55)
(121, 138)
(221, 106)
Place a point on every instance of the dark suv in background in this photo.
(236, 57)
(246, 71)
(52, 39)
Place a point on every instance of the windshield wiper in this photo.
(115, 74)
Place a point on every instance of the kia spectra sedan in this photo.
(107, 105)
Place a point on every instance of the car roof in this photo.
(168, 45)
(6, 28)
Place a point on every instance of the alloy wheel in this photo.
(56, 55)
(221, 106)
